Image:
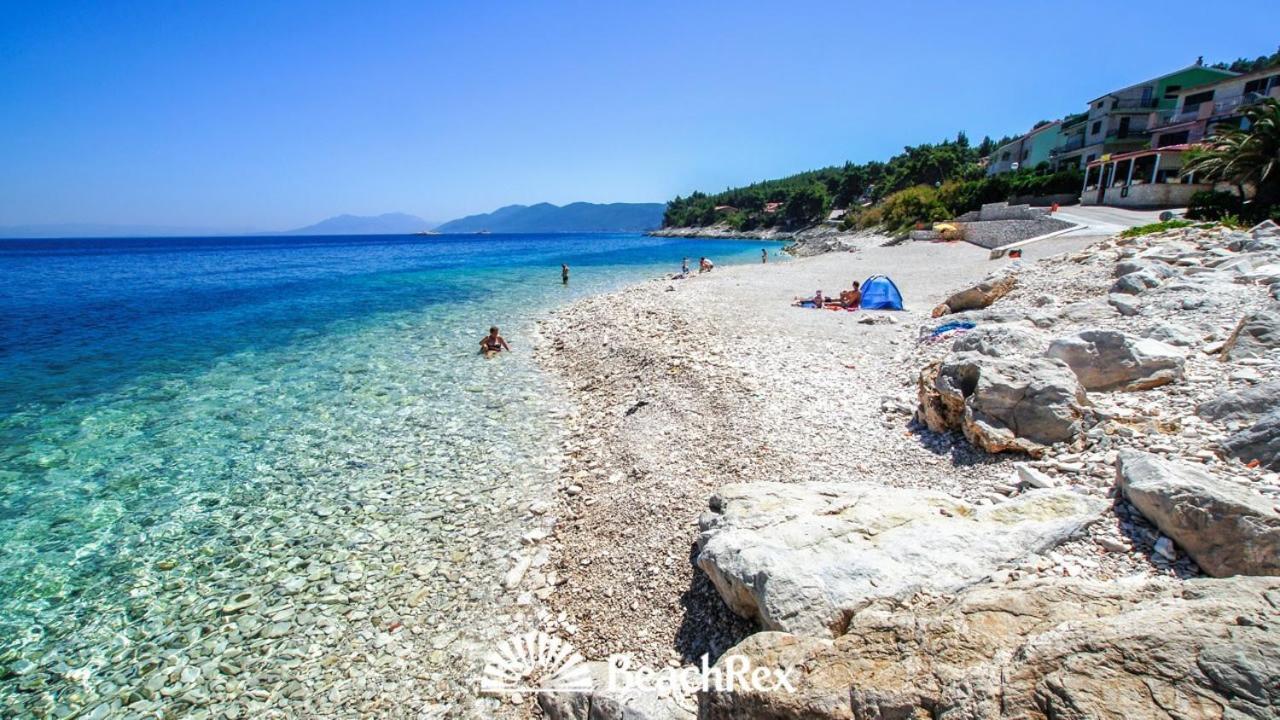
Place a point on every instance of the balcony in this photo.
(1134, 104)
(1074, 143)
(1230, 105)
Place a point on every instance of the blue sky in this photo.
(270, 115)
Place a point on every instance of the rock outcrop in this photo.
(1056, 649)
(1112, 360)
(1227, 528)
(1003, 404)
(1258, 443)
(1000, 341)
(1257, 335)
(1243, 405)
(806, 557)
(979, 296)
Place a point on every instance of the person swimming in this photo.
(493, 343)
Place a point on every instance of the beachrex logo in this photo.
(532, 662)
(535, 662)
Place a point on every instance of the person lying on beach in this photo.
(493, 343)
(851, 298)
(816, 301)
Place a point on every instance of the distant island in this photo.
(385, 224)
(574, 217)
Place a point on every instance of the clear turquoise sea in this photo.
(182, 419)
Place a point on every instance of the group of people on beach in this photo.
(849, 299)
(494, 343)
(704, 265)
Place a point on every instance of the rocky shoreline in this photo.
(1105, 425)
(805, 242)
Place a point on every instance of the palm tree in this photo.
(1245, 157)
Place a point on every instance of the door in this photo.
(1104, 179)
(1123, 132)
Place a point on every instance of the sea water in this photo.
(239, 474)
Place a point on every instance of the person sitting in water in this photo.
(852, 299)
(705, 265)
(493, 343)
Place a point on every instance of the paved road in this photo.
(1100, 220)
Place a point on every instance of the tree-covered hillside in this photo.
(806, 198)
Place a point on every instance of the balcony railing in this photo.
(1229, 105)
(1074, 143)
(1134, 104)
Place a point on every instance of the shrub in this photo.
(1154, 228)
(1212, 205)
(905, 209)
(961, 197)
(869, 218)
(1062, 182)
(1232, 221)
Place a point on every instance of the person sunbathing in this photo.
(816, 301)
(851, 299)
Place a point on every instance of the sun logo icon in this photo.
(535, 662)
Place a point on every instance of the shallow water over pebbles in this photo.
(247, 479)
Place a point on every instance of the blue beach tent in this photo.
(879, 293)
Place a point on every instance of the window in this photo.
(1192, 102)
(1026, 153)
(1146, 96)
(1098, 105)
(1097, 127)
(1171, 92)
(1261, 85)
(1004, 156)
(1123, 132)
(1173, 138)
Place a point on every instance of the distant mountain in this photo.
(388, 224)
(574, 217)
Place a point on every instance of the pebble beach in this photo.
(683, 386)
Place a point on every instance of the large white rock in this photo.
(1056, 649)
(1000, 341)
(1226, 527)
(1112, 360)
(804, 558)
(1003, 404)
